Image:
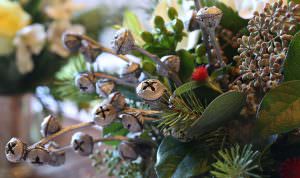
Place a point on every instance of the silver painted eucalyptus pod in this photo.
(50, 125)
(85, 82)
(154, 93)
(104, 87)
(38, 156)
(104, 114)
(131, 72)
(15, 150)
(57, 158)
(172, 62)
(123, 41)
(131, 122)
(82, 144)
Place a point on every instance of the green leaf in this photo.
(172, 13)
(177, 160)
(230, 20)
(132, 22)
(292, 62)
(113, 130)
(220, 110)
(187, 64)
(279, 110)
(192, 86)
(295, 1)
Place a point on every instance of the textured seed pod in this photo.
(117, 100)
(50, 125)
(38, 156)
(192, 23)
(89, 51)
(209, 17)
(173, 63)
(127, 151)
(131, 72)
(123, 41)
(85, 82)
(82, 144)
(57, 158)
(131, 122)
(104, 87)
(105, 114)
(15, 150)
(150, 90)
(72, 41)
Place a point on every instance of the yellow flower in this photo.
(12, 18)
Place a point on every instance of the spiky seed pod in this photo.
(85, 82)
(131, 122)
(82, 143)
(209, 17)
(72, 41)
(150, 90)
(173, 63)
(105, 114)
(117, 100)
(50, 125)
(127, 151)
(104, 87)
(38, 156)
(131, 72)
(123, 41)
(192, 23)
(15, 150)
(57, 158)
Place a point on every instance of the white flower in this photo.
(29, 41)
(54, 34)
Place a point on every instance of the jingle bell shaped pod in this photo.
(82, 143)
(131, 122)
(104, 87)
(38, 156)
(127, 151)
(50, 125)
(131, 72)
(117, 100)
(191, 22)
(15, 150)
(72, 41)
(104, 114)
(85, 82)
(57, 158)
(123, 41)
(172, 62)
(209, 17)
(130, 150)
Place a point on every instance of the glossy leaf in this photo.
(187, 64)
(292, 62)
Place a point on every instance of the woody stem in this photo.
(115, 79)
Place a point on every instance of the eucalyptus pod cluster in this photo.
(263, 52)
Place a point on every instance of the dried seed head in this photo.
(123, 41)
(72, 41)
(127, 151)
(172, 62)
(131, 123)
(105, 114)
(50, 125)
(104, 87)
(209, 17)
(150, 90)
(85, 82)
(57, 158)
(192, 23)
(117, 100)
(82, 143)
(38, 156)
(131, 72)
(15, 150)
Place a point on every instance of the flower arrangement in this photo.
(227, 108)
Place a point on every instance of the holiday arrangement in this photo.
(228, 107)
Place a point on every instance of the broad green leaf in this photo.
(279, 111)
(132, 22)
(292, 62)
(178, 160)
(113, 130)
(194, 85)
(220, 110)
(230, 20)
(187, 64)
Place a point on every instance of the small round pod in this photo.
(15, 150)
(131, 72)
(71, 41)
(209, 17)
(131, 122)
(191, 23)
(104, 87)
(104, 114)
(57, 158)
(38, 156)
(117, 100)
(82, 144)
(154, 93)
(50, 125)
(127, 151)
(123, 41)
(85, 82)
(172, 62)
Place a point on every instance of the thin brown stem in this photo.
(115, 79)
(141, 111)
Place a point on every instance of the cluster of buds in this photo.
(263, 52)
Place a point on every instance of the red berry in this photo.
(200, 74)
(290, 168)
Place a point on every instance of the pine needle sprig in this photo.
(236, 162)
